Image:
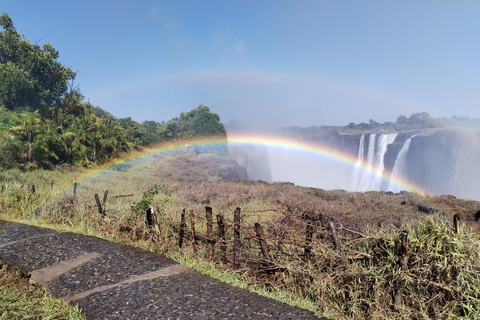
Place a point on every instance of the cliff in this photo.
(255, 160)
(441, 161)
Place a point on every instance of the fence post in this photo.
(221, 236)
(336, 241)
(308, 240)
(404, 249)
(182, 228)
(75, 189)
(263, 242)
(104, 201)
(236, 239)
(456, 222)
(99, 205)
(208, 214)
(151, 209)
(404, 265)
(192, 222)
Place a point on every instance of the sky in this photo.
(266, 63)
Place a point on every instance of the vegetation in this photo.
(44, 120)
(417, 121)
(21, 300)
(30, 77)
(364, 280)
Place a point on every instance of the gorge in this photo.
(436, 160)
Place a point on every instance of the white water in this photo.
(371, 178)
(362, 185)
(382, 144)
(400, 167)
(356, 171)
(313, 170)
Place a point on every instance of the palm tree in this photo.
(29, 124)
(112, 139)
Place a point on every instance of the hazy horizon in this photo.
(266, 63)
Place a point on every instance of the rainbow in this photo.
(243, 139)
(322, 152)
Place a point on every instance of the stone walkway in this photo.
(112, 281)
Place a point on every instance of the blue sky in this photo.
(266, 63)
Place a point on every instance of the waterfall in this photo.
(364, 181)
(371, 178)
(358, 165)
(400, 167)
(382, 144)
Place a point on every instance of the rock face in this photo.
(255, 160)
(440, 161)
(346, 143)
(446, 162)
(219, 168)
(394, 148)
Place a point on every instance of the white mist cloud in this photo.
(254, 99)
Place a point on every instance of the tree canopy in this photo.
(200, 122)
(43, 122)
(30, 77)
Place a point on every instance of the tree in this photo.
(173, 129)
(56, 144)
(10, 151)
(29, 124)
(402, 120)
(30, 76)
(201, 122)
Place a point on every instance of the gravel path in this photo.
(112, 281)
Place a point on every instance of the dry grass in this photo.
(367, 279)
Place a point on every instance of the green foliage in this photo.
(10, 155)
(79, 134)
(417, 121)
(21, 300)
(30, 76)
(42, 125)
(148, 199)
(194, 123)
(200, 122)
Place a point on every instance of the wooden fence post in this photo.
(208, 214)
(336, 241)
(221, 236)
(182, 228)
(236, 239)
(404, 265)
(308, 240)
(263, 242)
(99, 205)
(456, 222)
(151, 209)
(404, 249)
(104, 201)
(192, 223)
(74, 192)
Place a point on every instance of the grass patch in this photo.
(21, 300)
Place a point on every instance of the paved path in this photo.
(112, 281)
